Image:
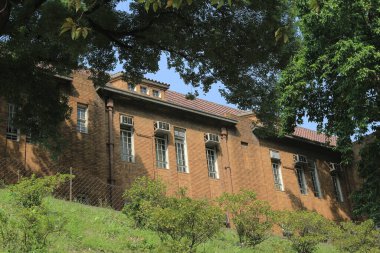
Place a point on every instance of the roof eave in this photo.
(167, 104)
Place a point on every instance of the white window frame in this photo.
(80, 128)
(124, 154)
(277, 175)
(315, 179)
(162, 164)
(158, 93)
(178, 140)
(131, 87)
(212, 165)
(301, 180)
(147, 90)
(337, 188)
(12, 132)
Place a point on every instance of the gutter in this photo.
(167, 104)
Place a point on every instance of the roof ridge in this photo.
(207, 101)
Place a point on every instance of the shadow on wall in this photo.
(84, 155)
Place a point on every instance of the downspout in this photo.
(110, 145)
(224, 135)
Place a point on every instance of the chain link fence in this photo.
(84, 187)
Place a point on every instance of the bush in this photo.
(356, 237)
(183, 223)
(251, 217)
(144, 193)
(27, 228)
(304, 229)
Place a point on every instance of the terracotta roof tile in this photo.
(221, 110)
(314, 136)
(200, 104)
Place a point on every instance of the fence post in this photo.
(71, 184)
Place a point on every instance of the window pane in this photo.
(277, 176)
(301, 179)
(211, 163)
(161, 149)
(126, 145)
(82, 119)
(12, 132)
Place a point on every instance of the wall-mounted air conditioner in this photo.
(299, 159)
(161, 127)
(211, 139)
(126, 120)
(334, 167)
(274, 155)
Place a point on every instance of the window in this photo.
(277, 176)
(82, 118)
(301, 179)
(13, 133)
(337, 188)
(156, 93)
(131, 87)
(315, 179)
(126, 142)
(161, 152)
(180, 148)
(212, 165)
(143, 90)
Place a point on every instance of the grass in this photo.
(95, 229)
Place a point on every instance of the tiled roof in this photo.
(221, 110)
(314, 136)
(200, 104)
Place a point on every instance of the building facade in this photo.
(119, 132)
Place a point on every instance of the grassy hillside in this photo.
(94, 229)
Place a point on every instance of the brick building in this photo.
(119, 132)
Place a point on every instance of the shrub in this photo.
(356, 237)
(183, 223)
(251, 217)
(304, 229)
(144, 193)
(27, 228)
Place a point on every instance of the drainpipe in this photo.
(224, 136)
(110, 145)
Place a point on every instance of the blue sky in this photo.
(171, 77)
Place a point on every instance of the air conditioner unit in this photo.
(275, 155)
(161, 127)
(126, 120)
(334, 167)
(211, 139)
(299, 159)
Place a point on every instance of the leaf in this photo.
(146, 6)
(77, 5)
(85, 33)
(189, 2)
(169, 3)
(155, 7)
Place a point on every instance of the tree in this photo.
(205, 41)
(356, 237)
(304, 229)
(334, 79)
(183, 223)
(251, 217)
(144, 193)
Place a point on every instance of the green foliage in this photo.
(27, 227)
(251, 217)
(367, 199)
(30, 192)
(304, 229)
(357, 237)
(205, 41)
(183, 223)
(334, 77)
(144, 193)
